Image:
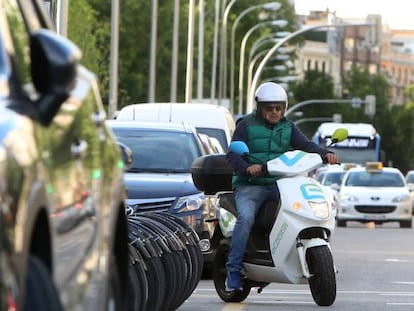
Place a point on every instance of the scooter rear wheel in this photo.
(219, 277)
(323, 280)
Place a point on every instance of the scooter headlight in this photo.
(320, 209)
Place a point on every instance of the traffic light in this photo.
(370, 103)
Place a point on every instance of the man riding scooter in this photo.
(268, 134)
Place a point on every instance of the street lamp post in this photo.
(369, 101)
(113, 78)
(200, 50)
(252, 63)
(262, 41)
(279, 23)
(317, 119)
(271, 6)
(223, 46)
(269, 38)
(215, 44)
(153, 51)
(283, 41)
(174, 55)
(190, 53)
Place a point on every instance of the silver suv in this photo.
(63, 242)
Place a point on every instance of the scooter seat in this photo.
(228, 202)
(264, 219)
(266, 216)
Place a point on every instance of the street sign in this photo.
(356, 102)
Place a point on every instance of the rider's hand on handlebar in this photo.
(331, 158)
(254, 170)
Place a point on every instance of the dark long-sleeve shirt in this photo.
(298, 141)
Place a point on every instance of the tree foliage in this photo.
(402, 139)
(315, 85)
(91, 33)
(90, 28)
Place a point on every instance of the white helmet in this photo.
(270, 92)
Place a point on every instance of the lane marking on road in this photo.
(307, 292)
(400, 282)
(233, 307)
(398, 260)
(284, 302)
(385, 252)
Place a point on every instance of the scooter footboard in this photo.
(271, 274)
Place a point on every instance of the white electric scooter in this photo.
(289, 242)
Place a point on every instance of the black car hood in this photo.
(157, 185)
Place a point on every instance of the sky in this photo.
(395, 13)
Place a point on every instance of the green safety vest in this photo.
(265, 143)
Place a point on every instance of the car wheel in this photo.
(341, 223)
(406, 224)
(41, 292)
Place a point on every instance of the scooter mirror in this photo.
(239, 147)
(339, 135)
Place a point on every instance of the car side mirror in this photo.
(335, 186)
(55, 60)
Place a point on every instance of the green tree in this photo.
(403, 135)
(89, 27)
(90, 33)
(315, 85)
(360, 82)
(285, 12)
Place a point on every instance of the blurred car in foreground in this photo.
(63, 232)
(160, 177)
(374, 194)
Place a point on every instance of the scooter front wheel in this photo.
(323, 280)
(219, 277)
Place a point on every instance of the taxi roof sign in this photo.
(374, 166)
(347, 166)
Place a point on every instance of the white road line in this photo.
(284, 302)
(401, 303)
(307, 292)
(399, 282)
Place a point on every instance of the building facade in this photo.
(365, 43)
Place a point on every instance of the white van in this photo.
(212, 120)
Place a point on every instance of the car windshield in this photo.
(159, 151)
(410, 178)
(377, 179)
(333, 178)
(219, 134)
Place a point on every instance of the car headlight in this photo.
(189, 203)
(401, 198)
(349, 198)
(320, 209)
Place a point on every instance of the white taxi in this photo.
(374, 194)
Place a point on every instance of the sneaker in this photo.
(233, 282)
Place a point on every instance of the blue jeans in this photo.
(249, 199)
